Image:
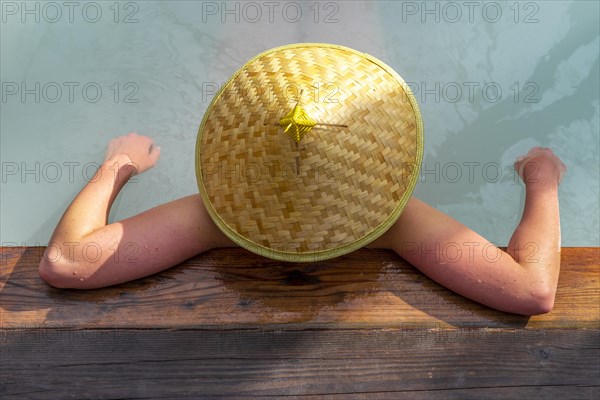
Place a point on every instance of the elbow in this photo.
(541, 301)
(545, 304)
(56, 274)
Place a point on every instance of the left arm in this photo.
(86, 252)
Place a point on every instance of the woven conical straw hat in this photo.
(309, 151)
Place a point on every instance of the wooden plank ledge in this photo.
(369, 288)
(231, 324)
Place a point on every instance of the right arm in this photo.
(523, 279)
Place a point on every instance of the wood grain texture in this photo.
(368, 288)
(229, 324)
(408, 364)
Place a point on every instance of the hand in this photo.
(140, 150)
(540, 165)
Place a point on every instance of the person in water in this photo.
(523, 280)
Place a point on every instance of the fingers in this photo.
(541, 162)
(535, 151)
(154, 155)
(141, 150)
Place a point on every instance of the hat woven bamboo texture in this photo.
(309, 151)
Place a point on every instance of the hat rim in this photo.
(317, 255)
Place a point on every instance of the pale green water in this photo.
(541, 83)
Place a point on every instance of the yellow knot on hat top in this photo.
(297, 123)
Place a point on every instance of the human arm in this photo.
(522, 279)
(87, 252)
